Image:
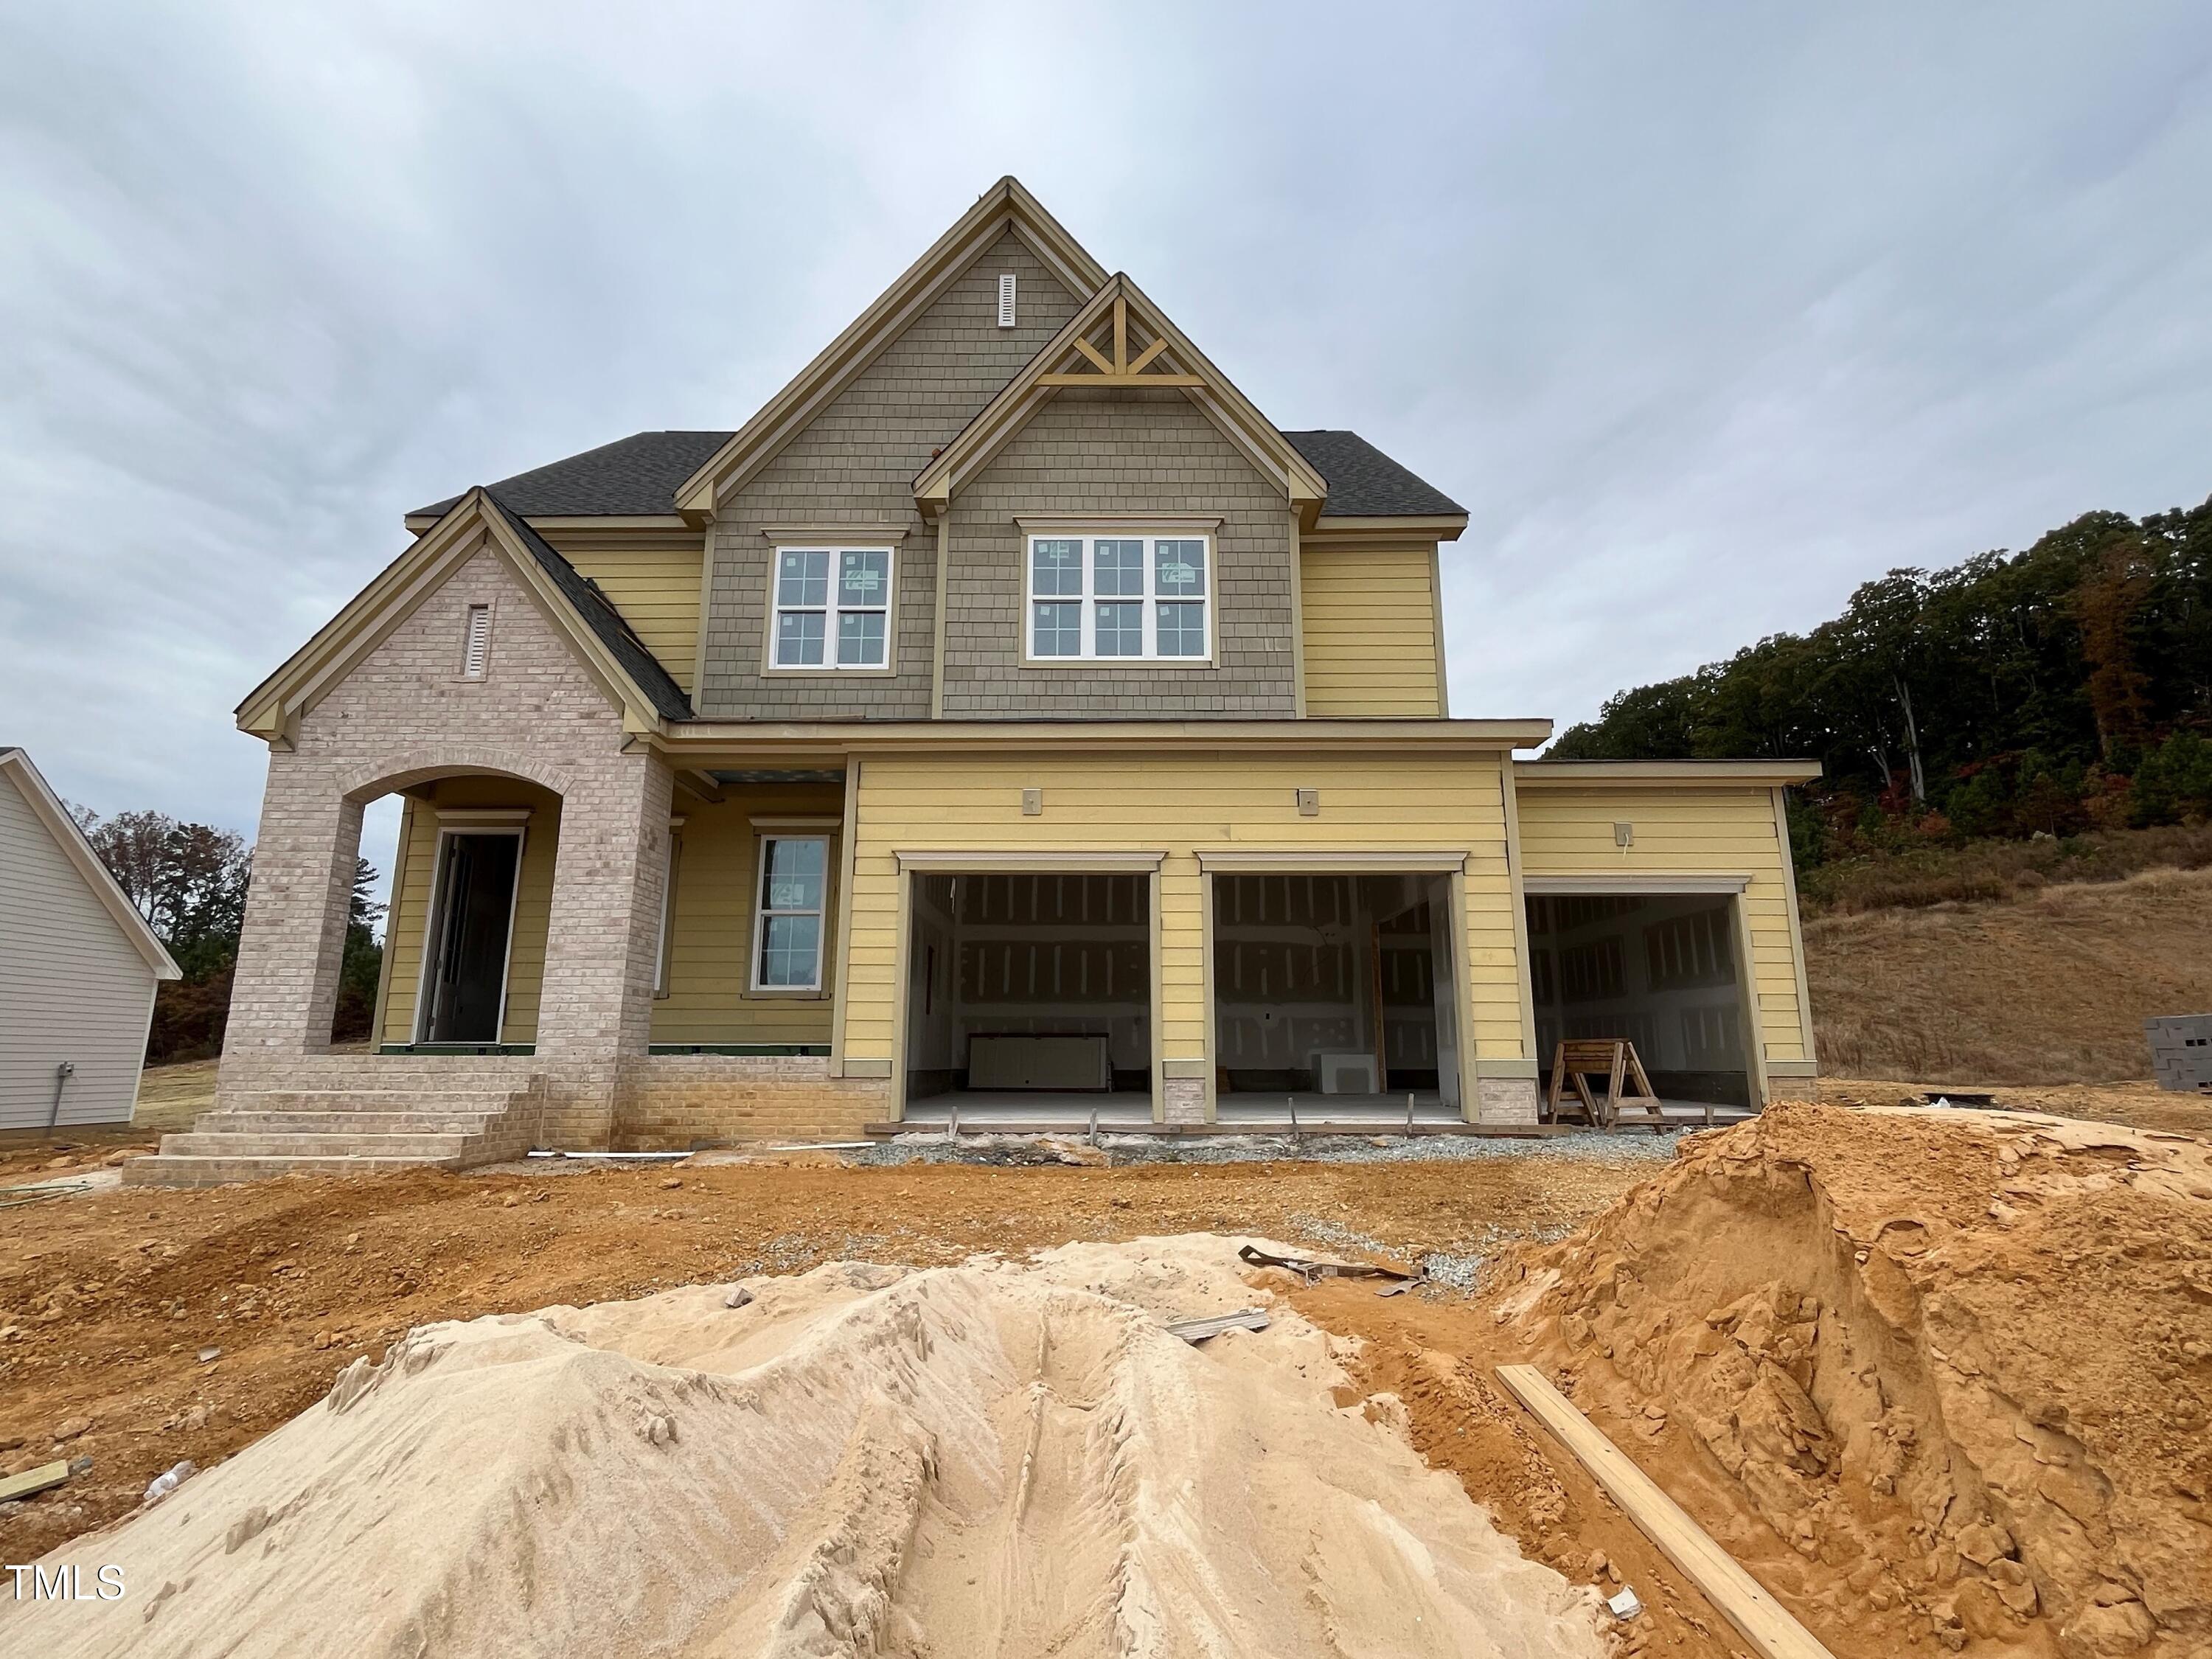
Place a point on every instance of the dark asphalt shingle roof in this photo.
(600, 615)
(640, 474)
(1365, 483)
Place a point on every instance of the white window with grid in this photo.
(1120, 598)
(787, 918)
(832, 608)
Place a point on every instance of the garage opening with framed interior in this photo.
(1030, 991)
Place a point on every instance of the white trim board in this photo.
(1018, 863)
(1656, 883)
(1330, 861)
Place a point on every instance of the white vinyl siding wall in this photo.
(72, 986)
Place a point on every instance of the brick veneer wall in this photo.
(855, 464)
(670, 1103)
(1119, 452)
(402, 716)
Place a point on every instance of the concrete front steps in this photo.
(344, 1131)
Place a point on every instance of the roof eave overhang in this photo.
(1005, 206)
(1684, 774)
(420, 522)
(698, 740)
(1349, 529)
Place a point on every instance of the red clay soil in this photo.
(106, 1301)
(1938, 1380)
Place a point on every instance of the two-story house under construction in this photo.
(1008, 712)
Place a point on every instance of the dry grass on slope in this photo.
(2051, 987)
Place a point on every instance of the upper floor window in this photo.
(1102, 598)
(832, 608)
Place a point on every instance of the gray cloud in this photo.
(1707, 313)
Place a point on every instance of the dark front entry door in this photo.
(476, 907)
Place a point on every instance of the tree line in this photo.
(2063, 689)
(189, 881)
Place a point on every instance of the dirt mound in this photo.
(865, 1459)
(1942, 1376)
(2051, 987)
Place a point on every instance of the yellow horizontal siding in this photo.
(408, 925)
(1180, 805)
(1371, 631)
(656, 588)
(709, 997)
(1683, 831)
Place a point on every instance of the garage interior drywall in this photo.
(1058, 954)
(1305, 967)
(1659, 971)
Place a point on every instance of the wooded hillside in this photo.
(2064, 689)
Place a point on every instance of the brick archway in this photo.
(393, 773)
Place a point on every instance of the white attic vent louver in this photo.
(478, 651)
(1006, 298)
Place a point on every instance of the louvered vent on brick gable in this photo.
(476, 653)
(1006, 298)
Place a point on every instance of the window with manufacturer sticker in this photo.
(1108, 598)
(832, 608)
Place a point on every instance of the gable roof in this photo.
(1365, 483)
(1069, 359)
(1007, 206)
(600, 615)
(46, 807)
(637, 476)
(632, 676)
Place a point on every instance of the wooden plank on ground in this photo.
(1763, 1621)
(33, 1481)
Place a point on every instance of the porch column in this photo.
(1184, 1040)
(603, 938)
(284, 989)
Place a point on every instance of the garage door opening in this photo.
(1029, 996)
(1332, 996)
(1660, 971)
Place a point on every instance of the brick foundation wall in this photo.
(1504, 1100)
(668, 1103)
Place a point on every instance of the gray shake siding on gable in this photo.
(1119, 452)
(855, 464)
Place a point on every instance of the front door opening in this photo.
(1335, 987)
(1029, 993)
(1656, 970)
(471, 917)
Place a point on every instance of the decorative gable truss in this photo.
(1120, 340)
(632, 677)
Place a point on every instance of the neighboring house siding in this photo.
(653, 577)
(1371, 631)
(709, 995)
(72, 986)
(407, 930)
(1183, 804)
(1679, 831)
(1119, 452)
(855, 464)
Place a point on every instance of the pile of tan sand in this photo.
(1940, 1378)
(989, 1459)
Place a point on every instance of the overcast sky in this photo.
(1706, 312)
